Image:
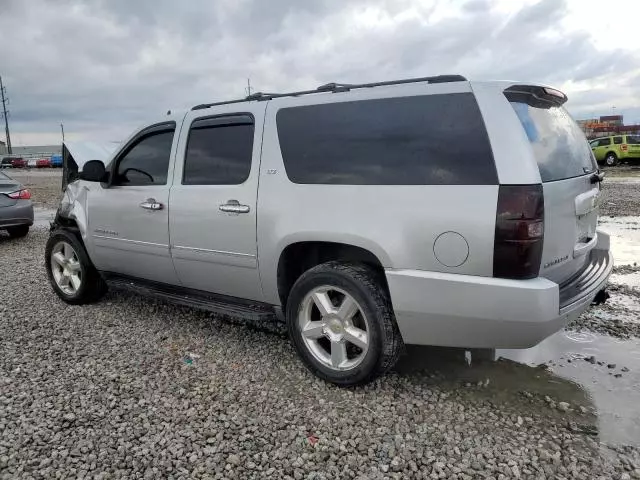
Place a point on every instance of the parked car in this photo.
(16, 209)
(432, 211)
(43, 163)
(56, 160)
(6, 162)
(32, 163)
(17, 162)
(611, 150)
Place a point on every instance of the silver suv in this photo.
(432, 211)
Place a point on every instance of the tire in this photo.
(19, 231)
(90, 288)
(374, 315)
(611, 159)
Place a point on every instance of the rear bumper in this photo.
(19, 214)
(482, 312)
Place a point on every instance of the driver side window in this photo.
(146, 161)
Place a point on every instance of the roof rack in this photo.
(334, 88)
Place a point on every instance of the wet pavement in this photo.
(612, 381)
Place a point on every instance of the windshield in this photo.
(559, 145)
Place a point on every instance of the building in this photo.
(607, 125)
(36, 151)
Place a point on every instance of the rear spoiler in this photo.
(536, 96)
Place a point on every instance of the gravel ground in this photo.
(133, 388)
(620, 198)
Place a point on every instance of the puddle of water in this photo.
(616, 399)
(625, 238)
(42, 216)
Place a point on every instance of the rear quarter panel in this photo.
(398, 224)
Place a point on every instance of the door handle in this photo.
(151, 204)
(233, 206)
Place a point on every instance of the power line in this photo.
(3, 92)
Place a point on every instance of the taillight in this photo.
(517, 248)
(20, 195)
(624, 147)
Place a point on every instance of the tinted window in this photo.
(559, 146)
(147, 161)
(219, 153)
(604, 142)
(594, 143)
(617, 140)
(633, 139)
(435, 139)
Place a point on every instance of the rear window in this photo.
(423, 140)
(633, 139)
(559, 146)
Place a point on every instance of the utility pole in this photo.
(6, 117)
(248, 89)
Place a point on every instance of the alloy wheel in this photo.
(334, 328)
(66, 268)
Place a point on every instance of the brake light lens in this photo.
(519, 235)
(20, 195)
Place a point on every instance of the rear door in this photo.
(633, 145)
(566, 166)
(212, 216)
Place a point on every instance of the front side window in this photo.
(219, 151)
(617, 140)
(146, 161)
(604, 142)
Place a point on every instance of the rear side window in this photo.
(423, 140)
(219, 151)
(559, 146)
(633, 139)
(617, 140)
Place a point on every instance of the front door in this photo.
(212, 215)
(600, 148)
(129, 217)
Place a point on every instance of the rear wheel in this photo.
(71, 273)
(611, 159)
(19, 231)
(341, 322)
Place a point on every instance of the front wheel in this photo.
(611, 160)
(341, 322)
(71, 273)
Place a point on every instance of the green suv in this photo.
(612, 149)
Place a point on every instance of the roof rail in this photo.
(335, 88)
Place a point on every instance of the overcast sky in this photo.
(104, 66)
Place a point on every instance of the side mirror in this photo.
(93, 171)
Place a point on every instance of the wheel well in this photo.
(67, 224)
(611, 153)
(297, 258)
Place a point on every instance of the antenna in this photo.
(5, 100)
(248, 88)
